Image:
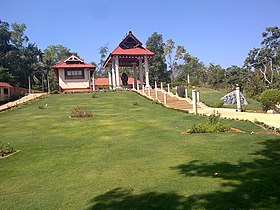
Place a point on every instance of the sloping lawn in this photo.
(132, 156)
(212, 97)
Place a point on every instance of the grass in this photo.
(212, 97)
(131, 157)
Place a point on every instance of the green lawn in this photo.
(212, 97)
(132, 157)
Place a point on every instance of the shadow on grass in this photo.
(254, 185)
(125, 199)
(248, 185)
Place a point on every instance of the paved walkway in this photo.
(21, 100)
(176, 102)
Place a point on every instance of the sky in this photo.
(215, 31)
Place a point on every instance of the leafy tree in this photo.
(157, 66)
(52, 55)
(215, 75)
(103, 52)
(174, 66)
(266, 60)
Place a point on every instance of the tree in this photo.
(173, 60)
(103, 52)
(157, 66)
(52, 55)
(266, 59)
(215, 75)
(269, 99)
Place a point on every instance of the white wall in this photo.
(73, 83)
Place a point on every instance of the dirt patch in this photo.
(235, 130)
(268, 132)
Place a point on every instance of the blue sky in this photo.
(215, 31)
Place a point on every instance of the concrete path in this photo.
(176, 102)
(21, 100)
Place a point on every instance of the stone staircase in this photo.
(172, 100)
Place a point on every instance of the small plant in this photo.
(156, 102)
(135, 103)
(94, 95)
(55, 92)
(6, 149)
(80, 112)
(211, 126)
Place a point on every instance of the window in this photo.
(74, 74)
(6, 91)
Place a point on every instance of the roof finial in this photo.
(130, 32)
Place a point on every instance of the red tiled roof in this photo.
(5, 84)
(105, 81)
(131, 51)
(64, 64)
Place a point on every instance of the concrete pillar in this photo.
(143, 89)
(165, 98)
(194, 101)
(110, 80)
(147, 72)
(198, 96)
(141, 72)
(134, 76)
(176, 88)
(161, 86)
(168, 88)
(93, 82)
(117, 72)
(186, 93)
(137, 86)
(113, 74)
(188, 78)
(149, 92)
(156, 95)
(238, 101)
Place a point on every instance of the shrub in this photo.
(93, 95)
(6, 149)
(55, 92)
(211, 126)
(269, 99)
(181, 91)
(80, 112)
(156, 102)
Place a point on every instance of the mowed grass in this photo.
(212, 97)
(132, 157)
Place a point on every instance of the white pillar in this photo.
(147, 72)
(168, 88)
(238, 101)
(186, 93)
(188, 78)
(156, 90)
(161, 86)
(198, 96)
(93, 82)
(194, 101)
(117, 71)
(143, 89)
(113, 74)
(137, 86)
(134, 76)
(176, 88)
(165, 98)
(149, 92)
(141, 72)
(110, 80)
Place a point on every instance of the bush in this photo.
(80, 112)
(181, 91)
(211, 126)
(55, 92)
(93, 95)
(6, 149)
(269, 99)
(135, 103)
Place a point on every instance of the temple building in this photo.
(129, 53)
(74, 74)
